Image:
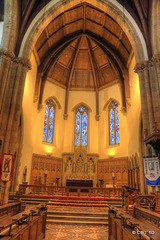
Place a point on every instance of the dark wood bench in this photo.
(136, 224)
(6, 223)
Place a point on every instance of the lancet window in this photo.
(49, 119)
(113, 123)
(81, 126)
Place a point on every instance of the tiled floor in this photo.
(76, 232)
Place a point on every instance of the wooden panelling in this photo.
(9, 209)
(117, 167)
(45, 170)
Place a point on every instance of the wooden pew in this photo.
(129, 222)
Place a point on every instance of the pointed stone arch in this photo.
(109, 101)
(81, 104)
(113, 8)
(54, 100)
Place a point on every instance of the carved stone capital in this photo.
(147, 64)
(65, 116)
(124, 110)
(97, 117)
(156, 58)
(40, 107)
(145, 132)
(25, 62)
(7, 53)
(139, 67)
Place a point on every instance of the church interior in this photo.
(79, 119)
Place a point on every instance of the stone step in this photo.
(76, 218)
(50, 221)
(78, 204)
(78, 201)
(92, 214)
(35, 199)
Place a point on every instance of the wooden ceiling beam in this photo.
(64, 23)
(118, 67)
(84, 17)
(103, 24)
(70, 77)
(91, 57)
(40, 81)
(48, 38)
(63, 43)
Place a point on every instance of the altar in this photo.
(80, 168)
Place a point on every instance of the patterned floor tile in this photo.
(76, 232)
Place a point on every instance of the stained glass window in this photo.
(113, 123)
(81, 126)
(49, 122)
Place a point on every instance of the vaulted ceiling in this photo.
(83, 47)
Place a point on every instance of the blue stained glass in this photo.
(81, 127)
(48, 122)
(81, 109)
(112, 136)
(117, 124)
(45, 124)
(50, 125)
(78, 129)
(114, 123)
(84, 129)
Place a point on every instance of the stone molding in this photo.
(156, 58)
(65, 116)
(97, 117)
(7, 53)
(25, 62)
(124, 110)
(140, 67)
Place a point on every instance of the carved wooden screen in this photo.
(117, 167)
(45, 170)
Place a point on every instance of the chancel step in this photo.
(71, 217)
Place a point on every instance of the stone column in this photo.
(11, 113)
(20, 69)
(5, 186)
(148, 97)
(6, 59)
(156, 60)
(139, 69)
(155, 93)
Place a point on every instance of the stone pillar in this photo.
(139, 69)
(6, 59)
(11, 110)
(5, 186)
(155, 92)
(20, 69)
(156, 60)
(148, 97)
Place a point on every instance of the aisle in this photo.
(76, 232)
